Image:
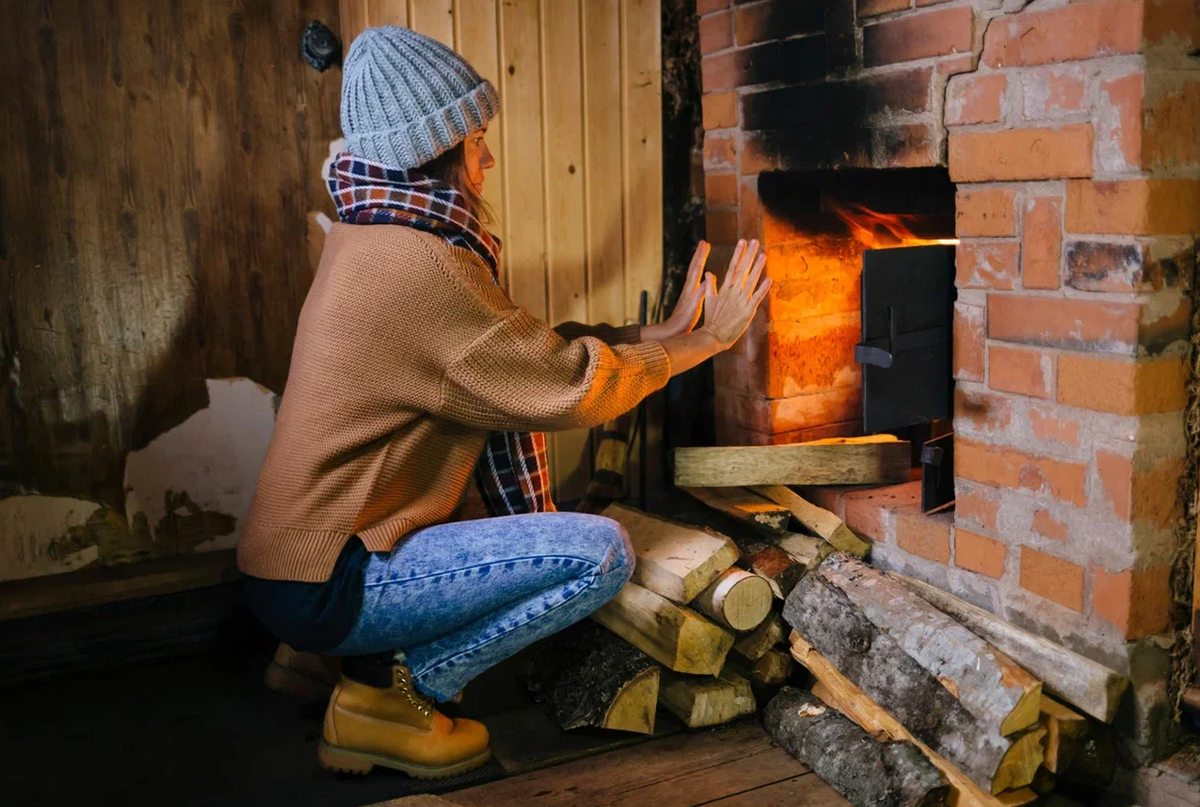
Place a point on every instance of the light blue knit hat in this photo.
(407, 99)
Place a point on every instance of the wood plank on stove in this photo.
(615, 777)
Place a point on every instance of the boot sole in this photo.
(296, 685)
(343, 760)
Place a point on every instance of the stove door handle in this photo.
(867, 353)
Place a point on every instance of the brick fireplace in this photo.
(1067, 137)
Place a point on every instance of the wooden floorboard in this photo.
(708, 767)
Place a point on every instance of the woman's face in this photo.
(478, 158)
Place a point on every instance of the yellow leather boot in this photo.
(303, 676)
(393, 725)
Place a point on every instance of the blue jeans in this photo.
(458, 598)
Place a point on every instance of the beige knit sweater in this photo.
(406, 355)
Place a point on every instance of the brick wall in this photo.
(1072, 131)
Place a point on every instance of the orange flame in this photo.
(881, 230)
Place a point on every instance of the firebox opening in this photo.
(824, 227)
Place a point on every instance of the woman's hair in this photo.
(451, 168)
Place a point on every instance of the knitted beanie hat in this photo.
(407, 99)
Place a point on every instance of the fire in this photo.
(881, 230)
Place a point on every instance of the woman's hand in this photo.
(691, 300)
(728, 311)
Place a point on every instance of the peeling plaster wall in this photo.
(190, 488)
(35, 536)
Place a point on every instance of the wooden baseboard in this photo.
(89, 587)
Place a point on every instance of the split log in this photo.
(781, 571)
(772, 669)
(817, 519)
(701, 701)
(805, 548)
(838, 691)
(863, 601)
(746, 506)
(1065, 730)
(589, 677)
(1092, 688)
(770, 633)
(737, 599)
(612, 456)
(952, 690)
(839, 464)
(869, 773)
(675, 636)
(674, 560)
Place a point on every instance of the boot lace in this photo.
(415, 698)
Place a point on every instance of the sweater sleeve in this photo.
(608, 334)
(520, 375)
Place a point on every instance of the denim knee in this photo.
(619, 559)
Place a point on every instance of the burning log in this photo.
(675, 636)
(737, 599)
(836, 464)
(869, 773)
(701, 701)
(955, 692)
(589, 677)
(1081, 682)
(674, 560)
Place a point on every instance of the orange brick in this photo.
(1139, 603)
(1058, 322)
(1048, 526)
(1025, 372)
(956, 64)
(716, 32)
(919, 36)
(986, 264)
(1171, 138)
(1052, 92)
(750, 211)
(1054, 424)
(775, 19)
(1041, 246)
(922, 535)
(1136, 494)
(987, 413)
(709, 6)
(1005, 467)
(720, 151)
(978, 553)
(1134, 206)
(968, 333)
(724, 71)
(978, 507)
(1021, 154)
(871, 8)
(1052, 578)
(975, 98)
(1119, 123)
(719, 110)
(986, 212)
(721, 190)
(1123, 387)
(721, 226)
(1071, 33)
(864, 509)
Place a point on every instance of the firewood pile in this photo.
(912, 696)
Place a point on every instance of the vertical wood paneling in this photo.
(580, 82)
(433, 18)
(566, 246)
(477, 38)
(523, 148)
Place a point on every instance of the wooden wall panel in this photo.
(159, 167)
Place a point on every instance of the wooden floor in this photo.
(737, 766)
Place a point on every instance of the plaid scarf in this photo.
(512, 472)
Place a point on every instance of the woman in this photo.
(412, 370)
